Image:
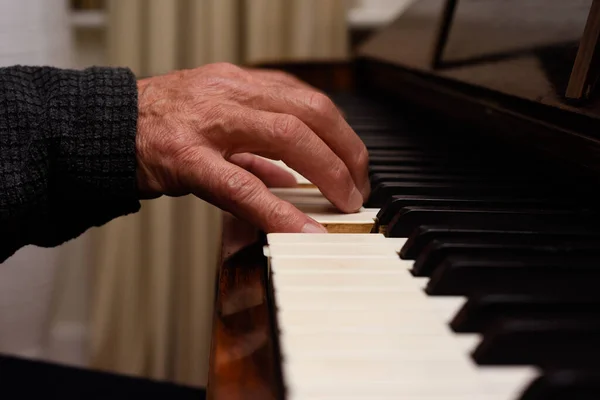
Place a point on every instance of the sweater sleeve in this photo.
(67, 152)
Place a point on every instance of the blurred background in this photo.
(136, 295)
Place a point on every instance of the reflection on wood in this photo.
(522, 49)
(243, 352)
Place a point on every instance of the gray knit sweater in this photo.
(67, 152)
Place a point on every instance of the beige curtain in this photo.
(154, 272)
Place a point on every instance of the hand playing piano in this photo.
(199, 132)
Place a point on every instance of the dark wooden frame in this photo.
(243, 357)
(586, 66)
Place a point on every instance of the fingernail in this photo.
(356, 199)
(313, 228)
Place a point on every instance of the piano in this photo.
(473, 270)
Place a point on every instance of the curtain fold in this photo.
(154, 272)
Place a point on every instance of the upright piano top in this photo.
(519, 48)
(505, 69)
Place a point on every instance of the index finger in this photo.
(285, 137)
(321, 115)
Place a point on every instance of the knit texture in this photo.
(67, 152)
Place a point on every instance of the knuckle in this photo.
(287, 128)
(217, 82)
(239, 187)
(279, 211)
(229, 69)
(224, 66)
(321, 104)
(339, 173)
(362, 160)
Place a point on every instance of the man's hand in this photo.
(199, 131)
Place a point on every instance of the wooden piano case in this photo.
(527, 92)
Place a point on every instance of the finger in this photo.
(269, 173)
(319, 113)
(237, 191)
(285, 137)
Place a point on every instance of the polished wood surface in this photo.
(243, 350)
(522, 49)
(503, 72)
(585, 70)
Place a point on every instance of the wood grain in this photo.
(243, 356)
(349, 228)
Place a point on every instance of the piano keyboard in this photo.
(354, 324)
(467, 275)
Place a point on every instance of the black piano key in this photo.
(409, 218)
(436, 251)
(379, 178)
(464, 275)
(563, 340)
(401, 169)
(464, 170)
(375, 143)
(419, 160)
(564, 384)
(363, 128)
(482, 309)
(382, 192)
(383, 142)
(389, 177)
(424, 153)
(424, 234)
(395, 203)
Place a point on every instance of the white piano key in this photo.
(350, 299)
(447, 306)
(299, 194)
(301, 180)
(381, 396)
(364, 216)
(375, 344)
(326, 264)
(317, 264)
(339, 250)
(357, 324)
(341, 278)
(412, 380)
(383, 320)
(279, 238)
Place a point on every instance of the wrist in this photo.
(148, 188)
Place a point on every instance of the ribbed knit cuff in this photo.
(68, 157)
(94, 120)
